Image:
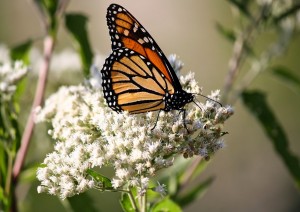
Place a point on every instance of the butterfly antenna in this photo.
(197, 104)
(209, 99)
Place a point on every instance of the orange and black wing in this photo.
(126, 32)
(133, 83)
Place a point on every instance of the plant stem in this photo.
(189, 173)
(39, 94)
(49, 43)
(240, 46)
(143, 202)
(8, 188)
(133, 203)
(131, 197)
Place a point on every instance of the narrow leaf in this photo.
(200, 168)
(227, 33)
(287, 76)
(29, 173)
(106, 182)
(4, 200)
(195, 193)
(242, 6)
(126, 203)
(82, 202)
(290, 11)
(3, 163)
(15, 131)
(256, 102)
(50, 6)
(21, 86)
(166, 205)
(173, 184)
(231, 37)
(21, 52)
(49, 9)
(76, 24)
(172, 175)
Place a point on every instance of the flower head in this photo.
(10, 74)
(89, 134)
(161, 189)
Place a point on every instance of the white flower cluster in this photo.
(10, 75)
(91, 135)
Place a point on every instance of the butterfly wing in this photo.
(126, 32)
(133, 83)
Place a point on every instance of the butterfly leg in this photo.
(156, 120)
(183, 111)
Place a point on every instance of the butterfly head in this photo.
(178, 100)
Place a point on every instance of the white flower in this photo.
(90, 135)
(67, 59)
(116, 183)
(122, 173)
(161, 189)
(10, 75)
(175, 63)
(4, 54)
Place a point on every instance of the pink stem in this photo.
(189, 173)
(39, 94)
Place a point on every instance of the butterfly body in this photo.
(137, 77)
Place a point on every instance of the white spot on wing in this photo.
(141, 41)
(146, 39)
(126, 32)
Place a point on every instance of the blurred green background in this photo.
(249, 174)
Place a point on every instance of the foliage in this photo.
(259, 18)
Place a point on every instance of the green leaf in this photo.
(173, 184)
(227, 33)
(21, 52)
(166, 205)
(256, 102)
(242, 6)
(21, 87)
(4, 202)
(126, 203)
(82, 202)
(49, 9)
(230, 36)
(9, 127)
(29, 173)
(152, 194)
(287, 76)
(76, 24)
(14, 131)
(3, 163)
(290, 11)
(179, 167)
(195, 193)
(50, 6)
(171, 176)
(200, 168)
(106, 182)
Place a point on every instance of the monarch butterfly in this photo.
(137, 77)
